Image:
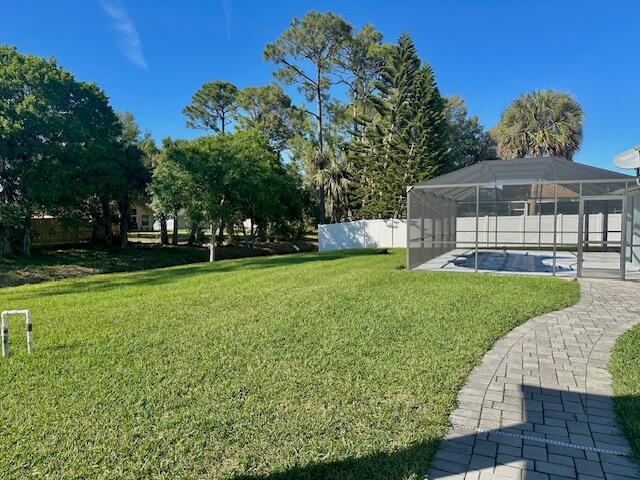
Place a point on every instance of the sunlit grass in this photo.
(336, 366)
(625, 367)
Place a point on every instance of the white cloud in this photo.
(226, 7)
(129, 39)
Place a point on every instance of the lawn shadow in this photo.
(401, 464)
(161, 276)
(549, 433)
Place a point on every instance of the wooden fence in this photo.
(48, 231)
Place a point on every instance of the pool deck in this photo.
(531, 262)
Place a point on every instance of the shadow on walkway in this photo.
(563, 435)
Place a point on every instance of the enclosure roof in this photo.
(524, 170)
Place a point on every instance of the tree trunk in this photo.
(174, 239)
(231, 231)
(252, 236)
(5, 244)
(164, 233)
(26, 239)
(193, 233)
(220, 238)
(212, 244)
(246, 240)
(124, 222)
(321, 193)
(106, 222)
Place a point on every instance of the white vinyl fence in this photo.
(529, 230)
(492, 231)
(362, 234)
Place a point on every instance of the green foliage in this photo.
(133, 161)
(252, 380)
(406, 141)
(319, 39)
(170, 183)
(469, 143)
(268, 110)
(58, 141)
(360, 70)
(233, 177)
(538, 124)
(309, 53)
(212, 106)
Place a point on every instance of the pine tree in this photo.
(431, 122)
(406, 140)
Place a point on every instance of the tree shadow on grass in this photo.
(166, 275)
(548, 418)
(407, 463)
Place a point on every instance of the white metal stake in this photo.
(29, 332)
(5, 329)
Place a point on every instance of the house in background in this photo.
(142, 218)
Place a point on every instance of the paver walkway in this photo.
(539, 405)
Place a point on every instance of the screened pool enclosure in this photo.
(532, 215)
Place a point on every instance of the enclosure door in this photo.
(632, 235)
(600, 238)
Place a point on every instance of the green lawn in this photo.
(317, 366)
(625, 368)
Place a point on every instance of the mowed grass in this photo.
(625, 368)
(317, 366)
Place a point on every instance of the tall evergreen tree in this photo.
(406, 141)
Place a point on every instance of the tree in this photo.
(58, 138)
(539, 124)
(237, 176)
(212, 106)
(268, 110)
(317, 40)
(405, 142)
(337, 178)
(169, 187)
(135, 173)
(266, 193)
(468, 141)
(359, 69)
(29, 88)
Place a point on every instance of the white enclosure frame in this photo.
(432, 212)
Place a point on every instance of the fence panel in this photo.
(509, 231)
(48, 231)
(362, 234)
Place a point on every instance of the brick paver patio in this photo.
(539, 405)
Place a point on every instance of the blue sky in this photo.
(150, 56)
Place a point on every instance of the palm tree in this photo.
(337, 184)
(335, 176)
(540, 124)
